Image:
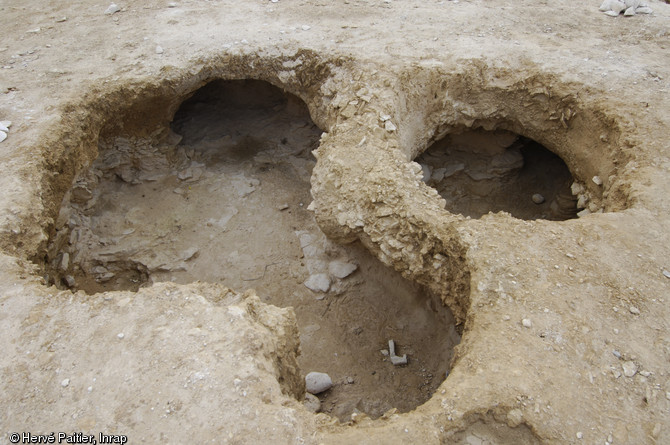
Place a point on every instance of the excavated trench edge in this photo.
(73, 146)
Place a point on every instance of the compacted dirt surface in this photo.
(203, 201)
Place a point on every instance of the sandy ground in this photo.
(564, 325)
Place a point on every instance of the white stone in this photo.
(319, 282)
(111, 9)
(4, 126)
(317, 382)
(159, 49)
(597, 181)
(526, 323)
(389, 126)
(629, 12)
(65, 383)
(340, 269)
(576, 188)
(3, 136)
(537, 198)
(120, 335)
(629, 368)
(644, 10)
(666, 273)
(306, 27)
(579, 435)
(172, 5)
(634, 310)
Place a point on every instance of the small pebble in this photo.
(89, 389)
(597, 181)
(634, 310)
(389, 126)
(526, 323)
(172, 5)
(616, 353)
(65, 383)
(111, 9)
(120, 335)
(579, 435)
(306, 27)
(666, 274)
(4, 125)
(537, 198)
(3, 136)
(318, 382)
(350, 380)
(312, 403)
(629, 368)
(159, 49)
(283, 207)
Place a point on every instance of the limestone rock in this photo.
(319, 282)
(317, 382)
(340, 269)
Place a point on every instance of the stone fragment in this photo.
(629, 12)
(312, 403)
(4, 126)
(3, 136)
(666, 273)
(340, 269)
(319, 282)
(634, 310)
(390, 127)
(306, 27)
(629, 368)
(526, 323)
(597, 181)
(69, 281)
(514, 418)
(644, 10)
(159, 49)
(318, 382)
(111, 9)
(576, 188)
(537, 198)
(64, 261)
(65, 383)
(396, 360)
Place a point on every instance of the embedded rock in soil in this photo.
(317, 382)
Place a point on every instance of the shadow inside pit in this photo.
(222, 197)
(479, 171)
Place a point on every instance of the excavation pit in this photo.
(479, 171)
(222, 196)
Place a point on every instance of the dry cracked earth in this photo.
(203, 201)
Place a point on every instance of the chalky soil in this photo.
(223, 196)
